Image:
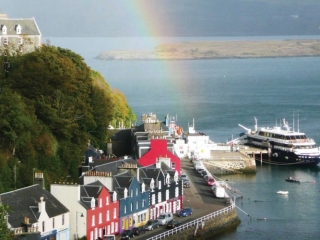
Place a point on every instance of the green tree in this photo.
(5, 233)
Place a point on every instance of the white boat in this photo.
(283, 192)
(284, 145)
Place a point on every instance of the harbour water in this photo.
(218, 95)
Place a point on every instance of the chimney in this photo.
(41, 205)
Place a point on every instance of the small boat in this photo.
(283, 192)
(290, 179)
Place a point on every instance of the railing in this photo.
(193, 223)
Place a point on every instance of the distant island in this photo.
(220, 49)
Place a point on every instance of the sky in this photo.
(168, 18)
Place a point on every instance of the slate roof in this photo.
(89, 191)
(28, 26)
(24, 203)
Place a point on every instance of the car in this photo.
(184, 177)
(109, 237)
(127, 234)
(173, 223)
(164, 218)
(151, 224)
(204, 172)
(138, 230)
(186, 184)
(185, 212)
(211, 181)
(199, 170)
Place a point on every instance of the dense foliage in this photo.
(52, 104)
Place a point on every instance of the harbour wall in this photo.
(211, 228)
(229, 163)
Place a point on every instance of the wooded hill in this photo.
(51, 105)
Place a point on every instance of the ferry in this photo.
(285, 146)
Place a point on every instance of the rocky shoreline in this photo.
(220, 50)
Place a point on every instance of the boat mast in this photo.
(256, 124)
(293, 121)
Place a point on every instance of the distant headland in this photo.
(220, 49)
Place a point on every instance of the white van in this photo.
(109, 237)
(164, 218)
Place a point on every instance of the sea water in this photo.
(216, 96)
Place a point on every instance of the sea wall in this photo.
(223, 163)
(211, 228)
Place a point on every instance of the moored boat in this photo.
(283, 192)
(290, 179)
(285, 146)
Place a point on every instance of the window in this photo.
(167, 194)
(93, 222)
(18, 29)
(5, 41)
(107, 200)
(125, 210)
(152, 184)
(125, 193)
(159, 197)
(143, 187)
(159, 184)
(177, 192)
(137, 191)
(93, 204)
(153, 199)
(137, 205)
(131, 193)
(100, 202)
(131, 206)
(4, 29)
(43, 226)
(100, 217)
(108, 215)
(20, 40)
(62, 219)
(173, 165)
(114, 197)
(143, 202)
(114, 213)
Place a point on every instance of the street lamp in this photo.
(81, 215)
(15, 174)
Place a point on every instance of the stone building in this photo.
(19, 34)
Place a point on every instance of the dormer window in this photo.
(152, 184)
(18, 29)
(4, 29)
(168, 179)
(114, 197)
(176, 177)
(93, 203)
(143, 187)
(125, 193)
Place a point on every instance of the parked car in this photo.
(199, 170)
(151, 224)
(109, 237)
(164, 218)
(138, 230)
(211, 181)
(185, 212)
(127, 234)
(184, 177)
(186, 184)
(204, 172)
(173, 223)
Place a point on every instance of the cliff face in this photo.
(225, 49)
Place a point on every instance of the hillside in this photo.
(220, 49)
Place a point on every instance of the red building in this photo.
(159, 151)
(102, 210)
